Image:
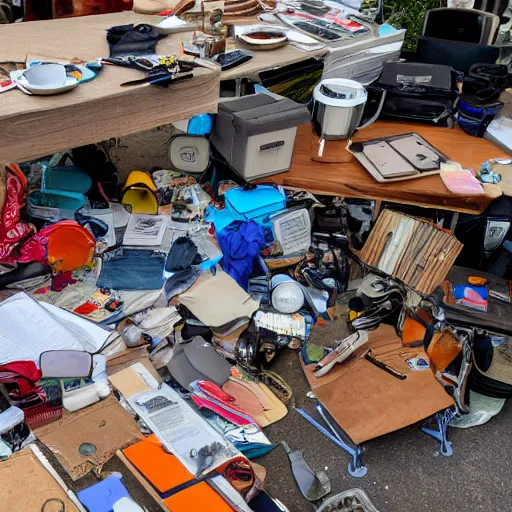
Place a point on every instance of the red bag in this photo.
(21, 381)
(12, 230)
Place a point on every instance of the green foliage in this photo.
(408, 14)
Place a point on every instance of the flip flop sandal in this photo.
(277, 385)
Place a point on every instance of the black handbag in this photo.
(419, 92)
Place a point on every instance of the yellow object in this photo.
(352, 315)
(140, 193)
(477, 281)
(167, 60)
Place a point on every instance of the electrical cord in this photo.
(53, 500)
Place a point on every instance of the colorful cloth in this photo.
(240, 243)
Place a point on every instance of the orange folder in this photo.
(164, 472)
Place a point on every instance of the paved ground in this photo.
(405, 471)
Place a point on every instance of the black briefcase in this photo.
(419, 92)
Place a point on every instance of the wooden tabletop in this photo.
(33, 126)
(350, 179)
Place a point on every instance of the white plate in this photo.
(264, 44)
(45, 90)
(42, 90)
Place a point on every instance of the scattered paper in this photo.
(121, 215)
(106, 215)
(145, 230)
(132, 380)
(28, 328)
(500, 130)
(180, 429)
(293, 231)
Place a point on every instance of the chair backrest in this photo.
(466, 25)
(497, 7)
(459, 55)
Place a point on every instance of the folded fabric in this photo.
(157, 322)
(183, 255)
(217, 300)
(208, 395)
(257, 400)
(127, 40)
(132, 269)
(180, 282)
(197, 360)
(27, 277)
(241, 243)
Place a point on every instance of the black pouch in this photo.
(484, 83)
(419, 92)
(128, 40)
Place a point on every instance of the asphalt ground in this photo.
(406, 473)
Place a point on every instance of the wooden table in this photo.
(350, 179)
(33, 126)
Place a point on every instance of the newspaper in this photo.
(499, 131)
(333, 27)
(181, 430)
(145, 230)
(293, 231)
(28, 328)
(363, 60)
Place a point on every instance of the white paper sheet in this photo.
(107, 216)
(91, 335)
(293, 231)
(499, 131)
(28, 328)
(179, 428)
(145, 230)
(121, 215)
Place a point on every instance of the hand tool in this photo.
(379, 364)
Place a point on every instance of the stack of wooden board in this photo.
(417, 252)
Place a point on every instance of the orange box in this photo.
(164, 472)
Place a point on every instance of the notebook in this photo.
(145, 230)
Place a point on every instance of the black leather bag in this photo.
(419, 92)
